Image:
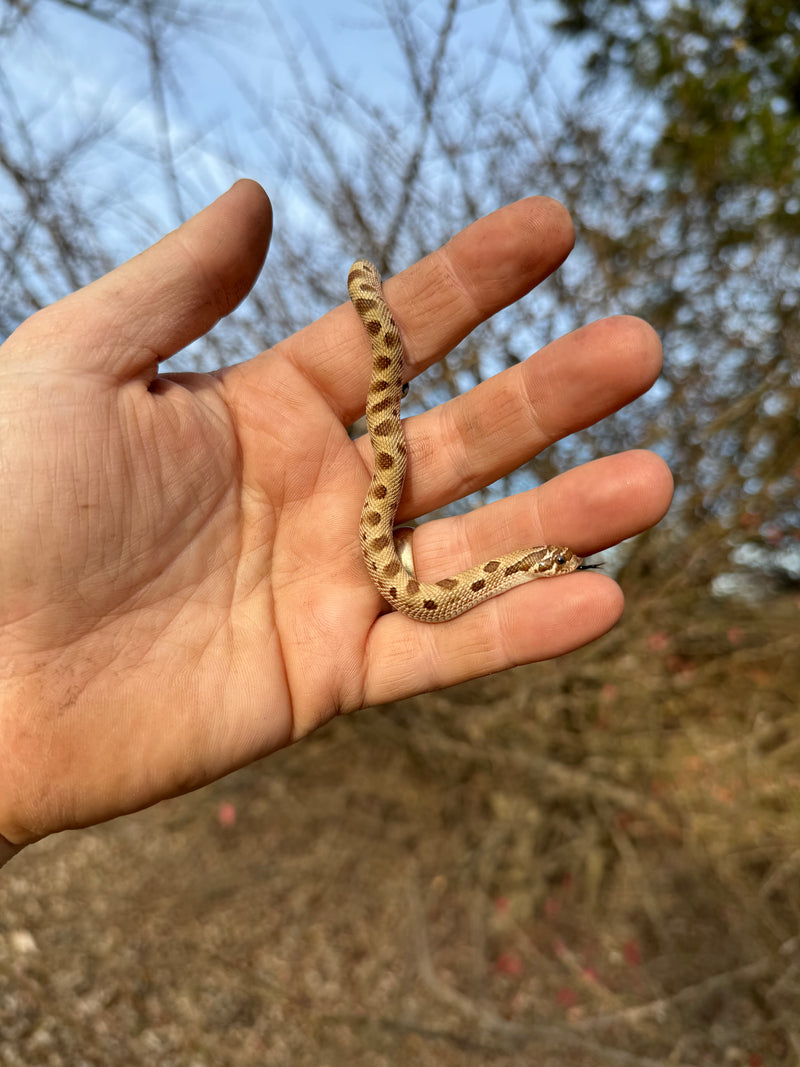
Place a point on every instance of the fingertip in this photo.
(658, 482)
(637, 476)
(174, 291)
(580, 608)
(637, 338)
(602, 598)
(251, 202)
(242, 218)
(547, 220)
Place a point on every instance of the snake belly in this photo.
(449, 597)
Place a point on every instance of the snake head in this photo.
(547, 561)
(557, 559)
(562, 560)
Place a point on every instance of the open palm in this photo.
(182, 590)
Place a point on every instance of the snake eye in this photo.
(405, 389)
(561, 560)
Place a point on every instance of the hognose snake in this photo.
(449, 597)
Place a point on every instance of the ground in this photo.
(586, 862)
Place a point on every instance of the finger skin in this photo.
(530, 623)
(155, 304)
(438, 301)
(589, 508)
(480, 436)
(191, 540)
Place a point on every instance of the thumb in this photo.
(161, 300)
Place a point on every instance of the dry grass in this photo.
(593, 861)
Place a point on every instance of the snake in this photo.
(384, 549)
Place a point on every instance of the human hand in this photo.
(181, 587)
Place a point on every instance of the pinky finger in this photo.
(533, 622)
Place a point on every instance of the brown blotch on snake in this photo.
(446, 583)
(449, 597)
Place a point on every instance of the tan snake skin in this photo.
(449, 597)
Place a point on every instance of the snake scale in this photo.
(449, 597)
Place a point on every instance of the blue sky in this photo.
(232, 98)
(228, 76)
(230, 91)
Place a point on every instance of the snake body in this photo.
(449, 597)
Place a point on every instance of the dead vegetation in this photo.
(592, 861)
